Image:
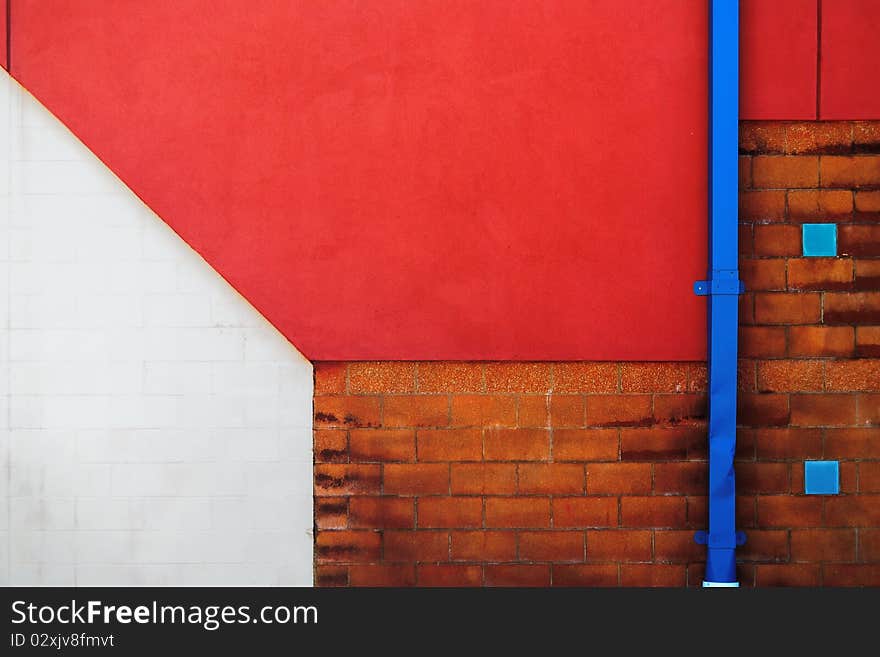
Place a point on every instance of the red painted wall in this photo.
(793, 67)
(850, 87)
(426, 180)
(778, 59)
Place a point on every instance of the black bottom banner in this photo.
(152, 621)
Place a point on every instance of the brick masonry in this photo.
(594, 474)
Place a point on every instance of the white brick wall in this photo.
(155, 428)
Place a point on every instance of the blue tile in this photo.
(820, 240)
(821, 478)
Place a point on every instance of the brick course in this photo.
(594, 474)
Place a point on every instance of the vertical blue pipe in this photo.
(723, 289)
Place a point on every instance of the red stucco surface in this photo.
(425, 180)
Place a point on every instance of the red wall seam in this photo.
(818, 59)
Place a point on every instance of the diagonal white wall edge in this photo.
(155, 428)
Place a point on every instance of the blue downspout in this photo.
(723, 289)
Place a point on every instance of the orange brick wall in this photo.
(594, 473)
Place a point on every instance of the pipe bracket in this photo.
(720, 285)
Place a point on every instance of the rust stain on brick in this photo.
(327, 481)
(332, 479)
(331, 576)
(866, 136)
(866, 284)
(333, 507)
(654, 454)
(337, 550)
(332, 454)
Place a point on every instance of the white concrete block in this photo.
(48, 141)
(105, 546)
(190, 574)
(92, 480)
(296, 573)
(173, 513)
(162, 243)
(213, 411)
(171, 547)
(250, 444)
(69, 178)
(188, 344)
(45, 479)
(57, 345)
(154, 428)
(42, 574)
(277, 479)
(31, 446)
(173, 445)
(134, 575)
(57, 547)
(108, 310)
(194, 276)
(41, 311)
(177, 378)
(233, 311)
(5, 559)
(31, 114)
(246, 379)
(34, 513)
(109, 243)
(263, 411)
(65, 211)
(66, 378)
(177, 479)
(254, 512)
(59, 412)
(103, 513)
(4, 176)
(177, 310)
(297, 381)
(141, 411)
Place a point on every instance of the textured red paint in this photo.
(423, 179)
(850, 54)
(778, 41)
(415, 180)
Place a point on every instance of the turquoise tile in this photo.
(821, 477)
(820, 240)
